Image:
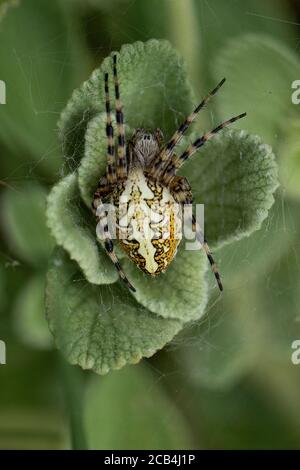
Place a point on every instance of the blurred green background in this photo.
(227, 381)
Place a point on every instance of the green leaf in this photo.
(154, 92)
(39, 67)
(23, 213)
(225, 345)
(221, 21)
(277, 233)
(259, 72)
(238, 192)
(234, 176)
(72, 226)
(181, 292)
(282, 290)
(260, 275)
(100, 327)
(29, 314)
(142, 416)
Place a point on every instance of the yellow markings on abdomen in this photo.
(148, 223)
(147, 251)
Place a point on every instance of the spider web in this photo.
(203, 338)
(28, 172)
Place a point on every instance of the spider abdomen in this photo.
(148, 222)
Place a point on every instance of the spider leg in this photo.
(110, 166)
(121, 159)
(105, 238)
(177, 161)
(181, 191)
(165, 155)
(203, 241)
(107, 183)
(103, 190)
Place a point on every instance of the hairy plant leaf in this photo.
(23, 212)
(260, 276)
(124, 415)
(260, 71)
(222, 21)
(71, 225)
(100, 327)
(180, 292)
(234, 176)
(154, 92)
(225, 345)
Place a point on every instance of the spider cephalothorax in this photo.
(144, 146)
(142, 184)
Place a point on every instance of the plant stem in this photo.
(72, 381)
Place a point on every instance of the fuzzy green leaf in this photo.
(252, 319)
(124, 415)
(259, 72)
(23, 212)
(100, 327)
(234, 176)
(154, 93)
(180, 292)
(224, 347)
(71, 225)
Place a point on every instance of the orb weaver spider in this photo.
(145, 170)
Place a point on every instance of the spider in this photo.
(145, 170)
